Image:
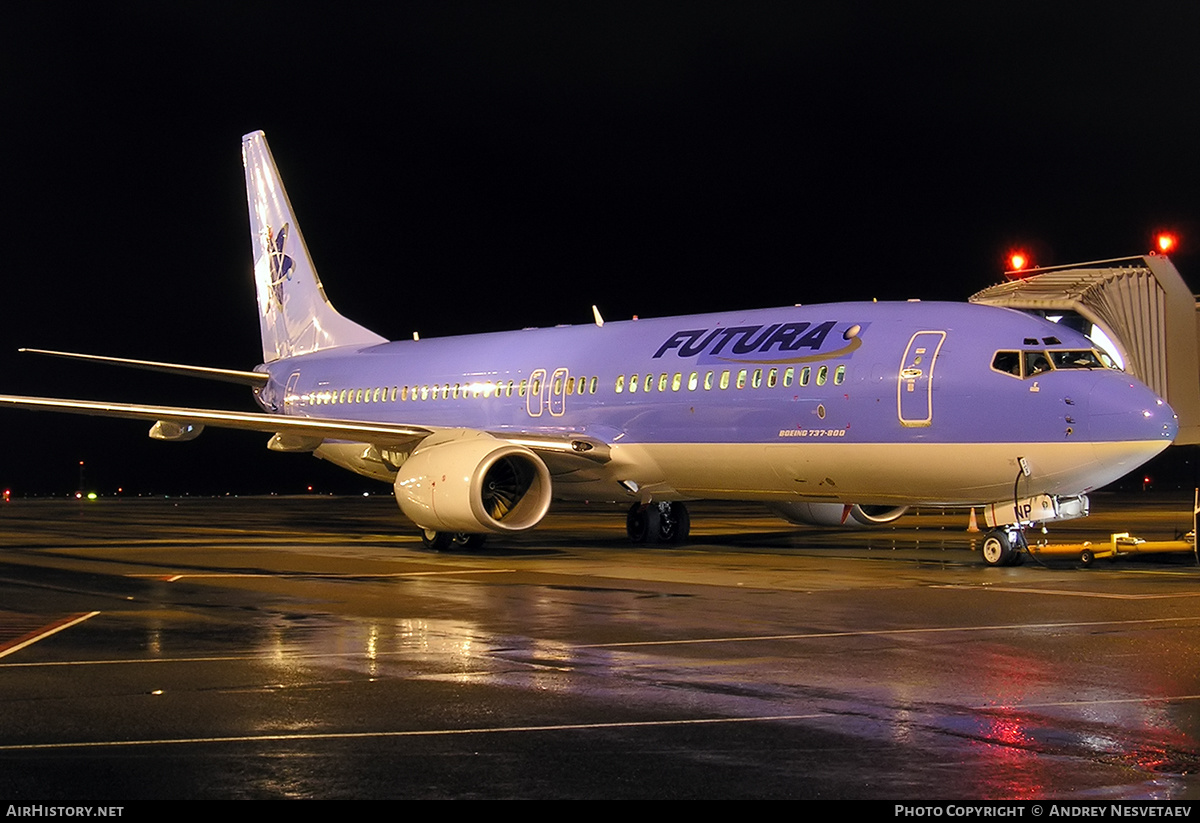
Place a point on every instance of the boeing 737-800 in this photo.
(840, 414)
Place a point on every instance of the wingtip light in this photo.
(1165, 242)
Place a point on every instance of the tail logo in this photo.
(281, 265)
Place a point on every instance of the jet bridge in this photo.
(1142, 306)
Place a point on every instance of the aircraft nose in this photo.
(1121, 408)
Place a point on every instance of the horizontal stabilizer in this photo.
(245, 378)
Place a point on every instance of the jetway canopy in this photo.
(1142, 305)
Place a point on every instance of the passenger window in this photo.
(839, 375)
(788, 375)
(708, 381)
(648, 383)
(805, 374)
(676, 381)
(620, 383)
(822, 375)
(756, 378)
(725, 379)
(633, 383)
(693, 381)
(662, 382)
(772, 378)
(741, 379)
(591, 385)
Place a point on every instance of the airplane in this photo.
(843, 414)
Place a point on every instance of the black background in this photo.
(462, 167)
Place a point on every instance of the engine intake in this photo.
(851, 516)
(472, 482)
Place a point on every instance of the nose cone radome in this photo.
(1123, 409)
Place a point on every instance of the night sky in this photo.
(463, 167)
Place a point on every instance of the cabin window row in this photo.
(741, 378)
(452, 391)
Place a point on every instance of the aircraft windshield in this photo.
(1031, 363)
(1086, 359)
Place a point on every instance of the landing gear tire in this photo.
(451, 541)
(674, 523)
(998, 550)
(658, 523)
(642, 522)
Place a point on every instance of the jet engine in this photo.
(851, 516)
(471, 482)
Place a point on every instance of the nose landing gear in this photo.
(1003, 547)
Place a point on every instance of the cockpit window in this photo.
(1036, 362)
(1008, 362)
(1032, 363)
(1085, 359)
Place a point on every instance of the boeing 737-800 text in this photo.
(834, 414)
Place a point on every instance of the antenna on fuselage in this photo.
(596, 315)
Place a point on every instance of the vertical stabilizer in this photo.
(293, 312)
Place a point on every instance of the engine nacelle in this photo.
(472, 482)
(837, 514)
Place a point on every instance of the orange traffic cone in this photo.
(973, 526)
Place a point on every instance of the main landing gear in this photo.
(658, 523)
(451, 541)
(1004, 547)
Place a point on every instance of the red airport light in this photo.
(1017, 262)
(1165, 242)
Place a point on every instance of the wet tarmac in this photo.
(311, 648)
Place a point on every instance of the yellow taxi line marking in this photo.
(1069, 593)
(887, 632)
(41, 634)
(270, 738)
(378, 576)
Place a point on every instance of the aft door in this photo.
(289, 394)
(914, 386)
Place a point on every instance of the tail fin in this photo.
(293, 312)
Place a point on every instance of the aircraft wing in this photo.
(186, 423)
